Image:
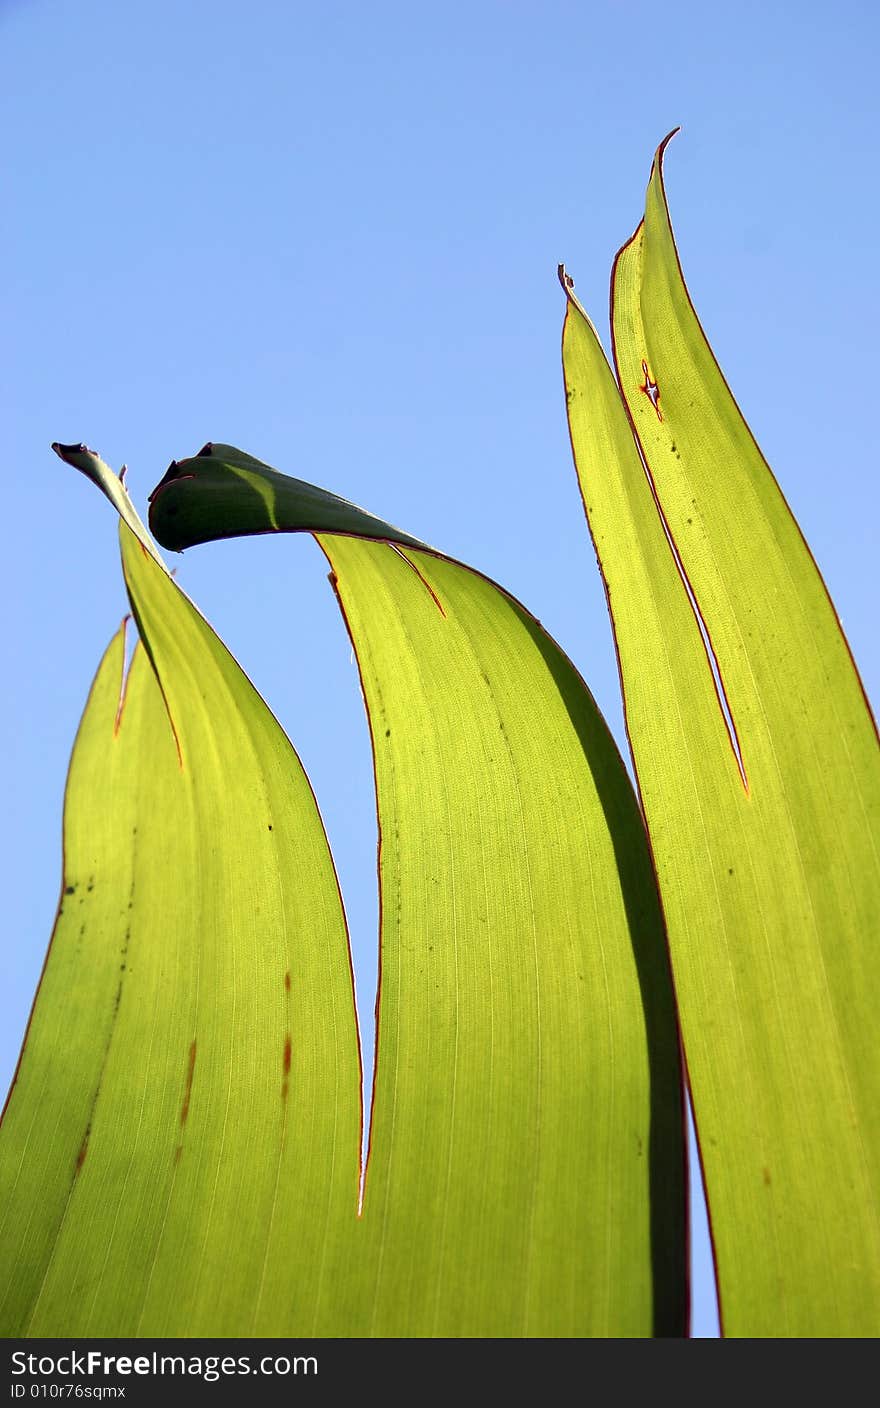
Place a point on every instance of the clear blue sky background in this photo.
(329, 233)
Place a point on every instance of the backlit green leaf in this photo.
(527, 1128)
(185, 1127)
(761, 787)
(183, 1136)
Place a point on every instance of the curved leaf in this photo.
(224, 493)
(526, 1135)
(182, 1144)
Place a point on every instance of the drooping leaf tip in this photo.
(66, 452)
(88, 462)
(167, 477)
(173, 471)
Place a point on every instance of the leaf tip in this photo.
(572, 300)
(171, 474)
(661, 150)
(74, 454)
(659, 159)
(77, 448)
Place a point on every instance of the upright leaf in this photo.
(758, 767)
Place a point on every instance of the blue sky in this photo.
(329, 234)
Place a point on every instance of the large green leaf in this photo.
(761, 789)
(526, 1166)
(526, 1131)
(184, 1135)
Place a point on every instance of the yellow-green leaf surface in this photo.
(761, 790)
(183, 1137)
(525, 1175)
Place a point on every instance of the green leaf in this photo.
(761, 789)
(180, 1153)
(223, 492)
(183, 1139)
(527, 1124)
(112, 486)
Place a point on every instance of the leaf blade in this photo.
(451, 665)
(770, 889)
(227, 1131)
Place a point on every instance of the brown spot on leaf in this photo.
(191, 1066)
(287, 981)
(766, 1173)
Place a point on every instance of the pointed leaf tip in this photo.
(112, 486)
(661, 150)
